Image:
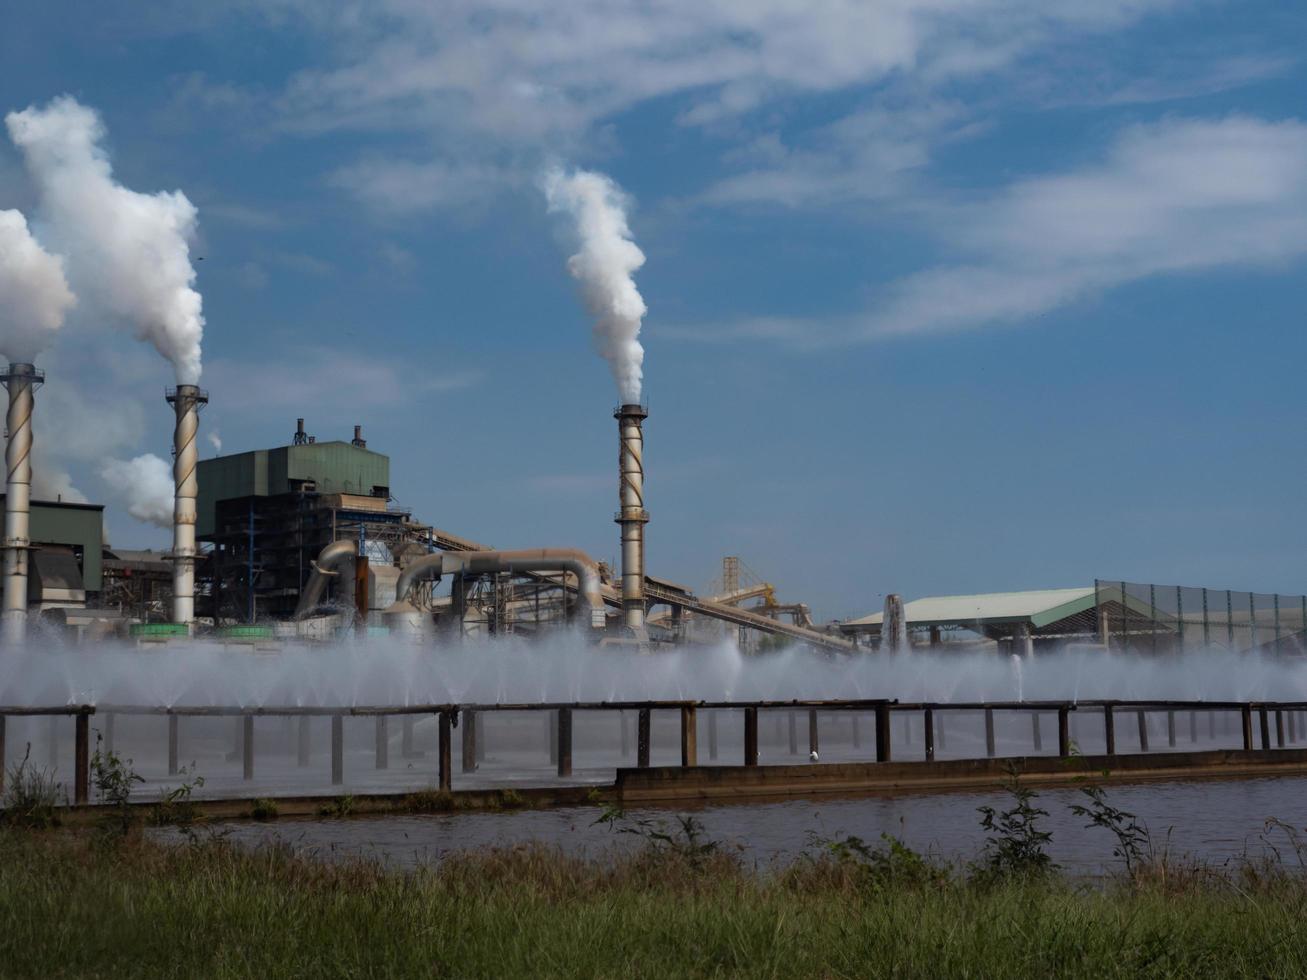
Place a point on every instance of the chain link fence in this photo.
(1150, 618)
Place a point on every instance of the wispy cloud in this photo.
(1179, 196)
(301, 377)
(490, 89)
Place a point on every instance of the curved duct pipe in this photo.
(327, 565)
(569, 560)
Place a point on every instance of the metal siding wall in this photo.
(239, 475)
(338, 467)
(73, 526)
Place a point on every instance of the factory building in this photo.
(268, 513)
(65, 563)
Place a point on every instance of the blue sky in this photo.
(944, 295)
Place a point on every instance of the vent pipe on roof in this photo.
(186, 401)
(299, 438)
(21, 380)
(358, 438)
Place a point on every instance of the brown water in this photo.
(1213, 821)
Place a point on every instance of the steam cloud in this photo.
(604, 264)
(126, 250)
(215, 441)
(34, 295)
(145, 484)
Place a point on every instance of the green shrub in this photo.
(31, 795)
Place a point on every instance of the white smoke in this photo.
(50, 481)
(604, 264)
(127, 251)
(145, 485)
(215, 441)
(34, 296)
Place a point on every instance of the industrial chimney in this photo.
(186, 401)
(632, 517)
(21, 380)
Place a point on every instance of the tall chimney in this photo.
(632, 517)
(186, 401)
(300, 437)
(358, 438)
(21, 380)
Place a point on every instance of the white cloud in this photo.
(1179, 196)
(871, 154)
(493, 87)
(314, 375)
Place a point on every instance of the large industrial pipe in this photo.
(186, 401)
(21, 380)
(329, 562)
(632, 517)
(441, 563)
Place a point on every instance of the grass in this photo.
(81, 904)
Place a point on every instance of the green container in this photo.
(247, 632)
(158, 630)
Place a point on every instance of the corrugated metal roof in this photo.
(1038, 607)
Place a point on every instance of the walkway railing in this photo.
(1267, 713)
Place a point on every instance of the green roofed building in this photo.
(268, 513)
(322, 467)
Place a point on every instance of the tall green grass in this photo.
(95, 905)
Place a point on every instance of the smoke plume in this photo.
(215, 441)
(145, 484)
(34, 296)
(127, 251)
(603, 265)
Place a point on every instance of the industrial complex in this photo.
(302, 541)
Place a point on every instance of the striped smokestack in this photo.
(21, 380)
(186, 401)
(632, 517)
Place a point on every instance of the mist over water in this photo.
(391, 671)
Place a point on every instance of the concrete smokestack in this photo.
(632, 517)
(21, 380)
(894, 626)
(186, 400)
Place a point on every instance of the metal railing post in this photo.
(643, 735)
(82, 758)
(564, 741)
(173, 744)
(750, 736)
(383, 742)
(337, 750)
(247, 748)
(445, 751)
(883, 749)
(689, 736)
